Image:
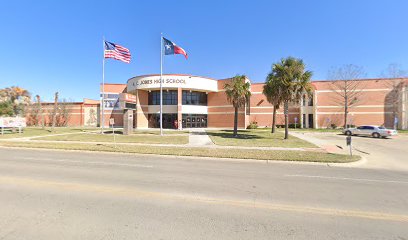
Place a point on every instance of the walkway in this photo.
(199, 137)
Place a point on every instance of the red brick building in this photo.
(200, 102)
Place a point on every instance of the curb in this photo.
(260, 161)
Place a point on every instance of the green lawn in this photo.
(134, 138)
(257, 138)
(157, 132)
(33, 131)
(306, 156)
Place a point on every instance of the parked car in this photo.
(374, 131)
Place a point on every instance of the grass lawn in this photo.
(402, 131)
(157, 132)
(33, 131)
(257, 138)
(134, 138)
(307, 156)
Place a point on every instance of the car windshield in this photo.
(381, 127)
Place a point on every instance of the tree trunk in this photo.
(345, 114)
(286, 112)
(54, 114)
(236, 122)
(274, 120)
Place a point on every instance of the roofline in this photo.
(113, 84)
(362, 79)
(170, 74)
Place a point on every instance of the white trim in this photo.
(254, 93)
(220, 106)
(356, 90)
(323, 113)
(270, 113)
(214, 113)
(359, 106)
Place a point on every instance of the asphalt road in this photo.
(74, 195)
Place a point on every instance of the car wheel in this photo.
(376, 135)
(348, 133)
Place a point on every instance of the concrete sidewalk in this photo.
(330, 148)
(199, 137)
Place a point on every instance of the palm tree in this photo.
(272, 91)
(238, 91)
(295, 84)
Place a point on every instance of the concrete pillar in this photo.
(128, 122)
(180, 108)
(315, 117)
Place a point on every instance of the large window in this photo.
(169, 97)
(194, 98)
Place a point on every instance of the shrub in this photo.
(253, 125)
(333, 126)
(293, 125)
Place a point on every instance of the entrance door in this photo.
(194, 120)
(310, 116)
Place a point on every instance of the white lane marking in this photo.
(346, 178)
(86, 162)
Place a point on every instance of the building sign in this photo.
(111, 101)
(127, 101)
(12, 122)
(164, 81)
(126, 97)
(173, 81)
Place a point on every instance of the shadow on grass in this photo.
(242, 134)
(111, 132)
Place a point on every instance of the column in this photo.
(179, 107)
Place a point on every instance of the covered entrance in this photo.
(169, 120)
(194, 120)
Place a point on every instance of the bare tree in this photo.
(396, 84)
(54, 113)
(63, 113)
(347, 86)
(41, 120)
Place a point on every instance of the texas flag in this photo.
(171, 48)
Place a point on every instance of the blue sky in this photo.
(49, 46)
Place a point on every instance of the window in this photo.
(169, 97)
(310, 101)
(194, 98)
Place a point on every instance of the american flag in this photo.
(117, 52)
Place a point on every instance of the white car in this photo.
(374, 131)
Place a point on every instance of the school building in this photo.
(200, 102)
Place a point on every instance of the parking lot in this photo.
(389, 153)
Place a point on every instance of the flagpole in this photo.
(161, 86)
(103, 86)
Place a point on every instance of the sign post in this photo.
(127, 103)
(348, 141)
(112, 122)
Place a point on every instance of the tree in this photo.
(238, 92)
(18, 97)
(6, 109)
(295, 84)
(54, 113)
(347, 87)
(394, 98)
(40, 111)
(273, 92)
